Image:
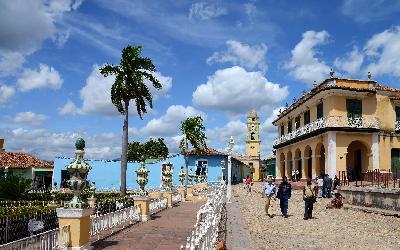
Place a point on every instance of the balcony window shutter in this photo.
(320, 110)
(354, 108)
(397, 113)
(307, 117)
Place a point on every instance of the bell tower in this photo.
(253, 135)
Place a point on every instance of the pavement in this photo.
(237, 237)
(167, 230)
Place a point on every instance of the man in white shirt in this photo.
(269, 193)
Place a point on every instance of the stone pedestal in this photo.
(168, 195)
(79, 222)
(155, 195)
(182, 192)
(144, 202)
(190, 190)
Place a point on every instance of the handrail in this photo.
(99, 223)
(330, 122)
(156, 205)
(52, 239)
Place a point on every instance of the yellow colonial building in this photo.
(253, 141)
(340, 125)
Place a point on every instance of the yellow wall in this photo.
(386, 143)
(386, 113)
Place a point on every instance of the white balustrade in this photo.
(330, 122)
(108, 221)
(157, 205)
(205, 232)
(397, 125)
(176, 198)
(49, 240)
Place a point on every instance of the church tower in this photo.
(253, 135)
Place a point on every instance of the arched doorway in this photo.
(357, 160)
(282, 164)
(308, 162)
(289, 161)
(298, 163)
(320, 153)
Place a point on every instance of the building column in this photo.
(331, 153)
(304, 165)
(375, 151)
(313, 166)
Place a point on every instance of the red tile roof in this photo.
(206, 151)
(22, 160)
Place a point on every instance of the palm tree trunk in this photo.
(124, 156)
(187, 165)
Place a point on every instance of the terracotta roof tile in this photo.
(22, 160)
(206, 151)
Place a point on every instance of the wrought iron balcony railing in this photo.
(330, 122)
(397, 125)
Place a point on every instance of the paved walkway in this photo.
(237, 237)
(166, 231)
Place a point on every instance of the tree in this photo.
(194, 133)
(14, 187)
(152, 149)
(129, 85)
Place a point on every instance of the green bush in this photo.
(18, 211)
(14, 187)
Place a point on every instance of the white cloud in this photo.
(47, 144)
(237, 91)
(28, 117)
(351, 63)
(96, 94)
(10, 62)
(24, 25)
(6, 93)
(169, 124)
(45, 77)
(303, 64)
(204, 11)
(218, 137)
(250, 57)
(384, 50)
(69, 108)
(364, 11)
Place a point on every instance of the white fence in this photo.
(53, 239)
(176, 198)
(205, 232)
(99, 223)
(157, 205)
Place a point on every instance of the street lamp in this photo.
(229, 189)
(222, 171)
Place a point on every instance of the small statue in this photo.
(369, 75)
(331, 73)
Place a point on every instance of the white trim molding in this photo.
(375, 151)
(331, 153)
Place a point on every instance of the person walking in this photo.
(248, 184)
(309, 198)
(284, 194)
(269, 193)
(328, 187)
(320, 183)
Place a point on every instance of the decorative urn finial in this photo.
(182, 176)
(142, 178)
(78, 170)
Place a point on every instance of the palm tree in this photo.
(194, 133)
(129, 85)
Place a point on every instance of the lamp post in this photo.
(229, 189)
(222, 171)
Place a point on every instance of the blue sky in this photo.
(219, 59)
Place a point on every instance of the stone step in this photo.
(373, 210)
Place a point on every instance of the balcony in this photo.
(397, 126)
(331, 122)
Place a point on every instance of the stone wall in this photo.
(372, 197)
